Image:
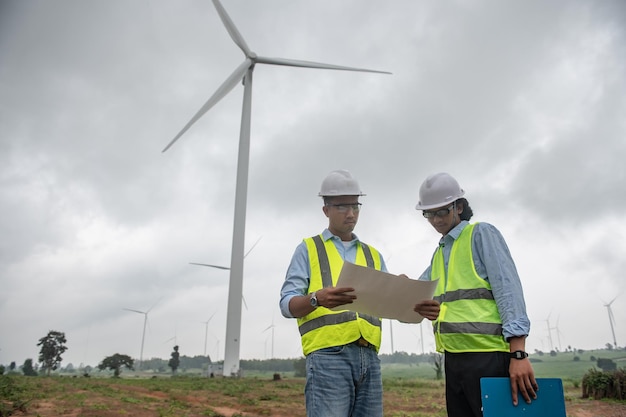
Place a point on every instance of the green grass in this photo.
(561, 366)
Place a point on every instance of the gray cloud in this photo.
(522, 102)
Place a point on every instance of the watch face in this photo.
(518, 354)
(313, 300)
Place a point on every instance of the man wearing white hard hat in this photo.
(341, 347)
(482, 324)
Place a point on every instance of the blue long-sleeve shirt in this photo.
(299, 272)
(493, 263)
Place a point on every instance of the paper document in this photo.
(384, 295)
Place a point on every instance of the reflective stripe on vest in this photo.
(469, 320)
(323, 327)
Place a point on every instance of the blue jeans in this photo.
(343, 381)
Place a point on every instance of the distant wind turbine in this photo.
(271, 326)
(550, 332)
(206, 330)
(558, 332)
(612, 320)
(145, 322)
(227, 268)
(242, 73)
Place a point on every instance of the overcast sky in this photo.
(524, 102)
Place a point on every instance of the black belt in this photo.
(361, 342)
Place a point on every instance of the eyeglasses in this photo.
(439, 213)
(343, 208)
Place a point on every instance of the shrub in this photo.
(606, 364)
(12, 396)
(605, 384)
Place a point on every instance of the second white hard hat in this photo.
(340, 182)
(438, 190)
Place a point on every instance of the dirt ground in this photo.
(113, 400)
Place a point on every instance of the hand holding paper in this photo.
(386, 295)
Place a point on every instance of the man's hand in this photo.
(521, 373)
(330, 297)
(522, 380)
(428, 309)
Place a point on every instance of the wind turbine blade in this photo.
(231, 28)
(153, 305)
(136, 311)
(212, 266)
(250, 250)
(267, 328)
(309, 64)
(224, 89)
(244, 301)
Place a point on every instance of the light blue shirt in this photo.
(299, 272)
(493, 263)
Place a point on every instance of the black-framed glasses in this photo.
(343, 208)
(439, 213)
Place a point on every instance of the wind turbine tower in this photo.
(271, 326)
(550, 333)
(206, 331)
(612, 321)
(558, 333)
(242, 73)
(143, 336)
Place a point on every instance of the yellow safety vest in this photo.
(469, 320)
(322, 327)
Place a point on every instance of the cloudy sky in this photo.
(523, 102)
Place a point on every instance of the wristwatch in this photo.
(313, 300)
(519, 354)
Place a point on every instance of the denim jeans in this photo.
(343, 381)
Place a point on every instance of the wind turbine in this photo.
(271, 326)
(558, 332)
(612, 320)
(242, 73)
(227, 268)
(145, 322)
(550, 332)
(206, 330)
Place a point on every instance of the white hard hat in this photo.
(438, 190)
(340, 182)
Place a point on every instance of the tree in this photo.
(438, 364)
(606, 364)
(174, 360)
(28, 369)
(115, 363)
(52, 347)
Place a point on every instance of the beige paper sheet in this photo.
(384, 295)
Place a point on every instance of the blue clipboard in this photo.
(496, 399)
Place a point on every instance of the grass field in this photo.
(409, 391)
(561, 366)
